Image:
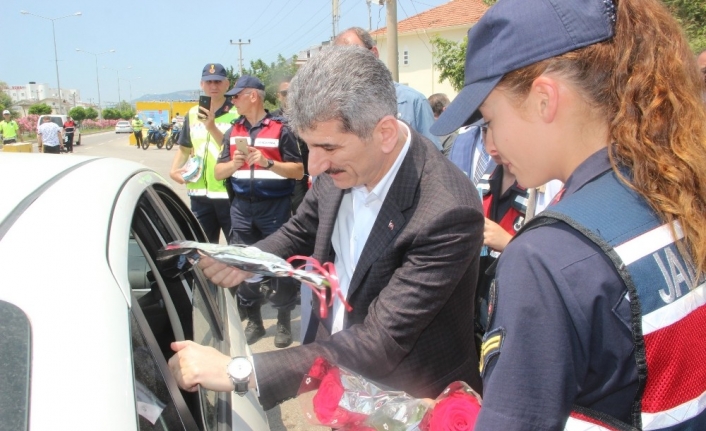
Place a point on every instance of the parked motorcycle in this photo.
(174, 136)
(156, 136)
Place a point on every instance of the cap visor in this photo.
(233, 91)
(463, 110)
(213, 78)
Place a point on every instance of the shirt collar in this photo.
(594, 165)
(380, 190)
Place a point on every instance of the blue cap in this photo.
(245, 81)
(214, 72)
(517, 33)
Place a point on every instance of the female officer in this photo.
(597, 315)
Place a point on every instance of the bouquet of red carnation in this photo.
(335, 397)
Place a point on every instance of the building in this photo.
(449, 21)
(34, 93)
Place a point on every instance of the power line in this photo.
(420, 20)
(294, 40)
(252, 23)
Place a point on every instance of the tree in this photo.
(111, 114)
(78, 113)
(91, 113)
(40, 109)
(450, 59)
(269, 74)
(5, 99)
(692, 16)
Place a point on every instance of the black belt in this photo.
(251, 199)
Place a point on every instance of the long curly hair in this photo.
(645, 83)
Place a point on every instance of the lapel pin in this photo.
(391, 225)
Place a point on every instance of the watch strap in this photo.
(270, 163)
(241, 388)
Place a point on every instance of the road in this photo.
(288, 416)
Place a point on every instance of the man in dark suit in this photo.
(403, 227)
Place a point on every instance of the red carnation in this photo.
(328, 396)
(319, 369)
(457, 412)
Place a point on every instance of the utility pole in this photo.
(335, 17)
(370, 17)
(240, 44)
(392, 61)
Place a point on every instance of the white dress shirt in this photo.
(356, 216)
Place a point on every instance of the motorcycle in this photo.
(156, 136)
(173, 137)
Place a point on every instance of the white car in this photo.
(123, 127)
(59, 120)
(87, 314)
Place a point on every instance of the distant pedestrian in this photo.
(49, 139)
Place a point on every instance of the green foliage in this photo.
(6, 100)
(78, 113)
(692, 16)
(270, 75)
(91, 114)
(449, 58)
(111, 114)
(40, 109)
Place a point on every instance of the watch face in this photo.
(240, 368)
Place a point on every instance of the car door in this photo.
(167, 306)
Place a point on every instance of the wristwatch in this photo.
(239, 370)
(270, 163)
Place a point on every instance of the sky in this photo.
(161, 46)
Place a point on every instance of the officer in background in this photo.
(9, 129)
(200, 139)
(263, 182)
(301, 186)
(137, 130)
(69, 129)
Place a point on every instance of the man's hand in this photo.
(176, 175)
(494, 236)
(207, 117)
(238, 160)
(193, 365)
(221, 274)
(255, 157)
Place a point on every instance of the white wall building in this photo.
(449, 21)
(38, 92)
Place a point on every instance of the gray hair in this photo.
(363, 35)
(261, 93)
(344, 83)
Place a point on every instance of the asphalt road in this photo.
(287, 416)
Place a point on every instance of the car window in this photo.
(185, 306)
(15, 356)
(155, 404)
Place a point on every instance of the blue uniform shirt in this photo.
(414, 109)
(564, 318)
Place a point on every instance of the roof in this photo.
(452, 14)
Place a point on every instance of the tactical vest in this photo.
(667, 303)
(208, 149)
(257, 181)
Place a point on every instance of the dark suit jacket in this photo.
(412, 291)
